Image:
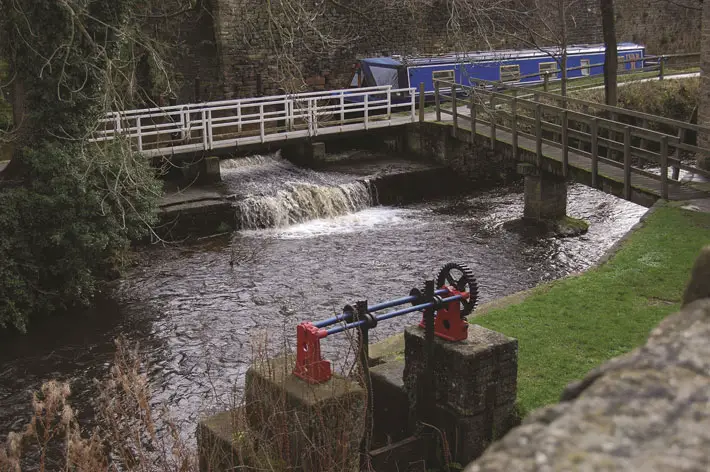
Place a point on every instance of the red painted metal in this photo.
(310, 365)
(448, 323)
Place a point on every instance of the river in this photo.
(199, 310)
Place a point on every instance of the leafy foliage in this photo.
(69, 208)
(64, 227)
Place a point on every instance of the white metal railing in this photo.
(228, 123)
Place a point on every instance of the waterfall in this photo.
(302, 201)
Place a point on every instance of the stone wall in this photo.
(186, 42)
(241, 48)
(255, 51)
(663, 26)
(647, 410)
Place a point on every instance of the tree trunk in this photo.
(563, 37)
(610, 59)
(704, 106)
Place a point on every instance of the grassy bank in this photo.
(568, 327)
(674, 99)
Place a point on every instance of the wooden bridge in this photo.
(647, 153)
(607, 143)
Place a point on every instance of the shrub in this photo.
(68, 224)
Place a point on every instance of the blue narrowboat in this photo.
(508, 66)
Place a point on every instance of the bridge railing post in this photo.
(413, 98)
(514, 124)
(538, 134)
(473, 112)
(676, 155)
(454, 111)
(627, 162)
(139, 132)
(210, 133)
(185, 122)
(342, 108)
(421, 102)
(565, 144)
(664, 167)
(239, 117)
(492, 115)
(437, 100)
(594, 132)
(367, 109)
(261, 122)
(661, 67)
(204, 130)
(389, 104)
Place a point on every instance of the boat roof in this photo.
(497, 55)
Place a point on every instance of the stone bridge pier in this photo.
(546, 202)
(545, 194)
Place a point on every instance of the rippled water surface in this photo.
(197, 310)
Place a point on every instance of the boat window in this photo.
(510, 73)
(585, 66)
(446, 75)
(620, 61)
(548, 67)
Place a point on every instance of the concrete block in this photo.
(315, 427)
(469, 376)
(210, 170)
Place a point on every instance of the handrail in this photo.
(605, 107)
(228, 123)
(566, 123)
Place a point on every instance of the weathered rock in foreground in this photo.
(646, 411)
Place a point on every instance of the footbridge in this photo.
(621, 151)
(231, 124)
(592, 143)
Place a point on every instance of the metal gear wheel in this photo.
(461, 277)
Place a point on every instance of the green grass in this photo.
(578, 84)
(567, 328)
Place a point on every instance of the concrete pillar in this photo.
(475, 386)
(210, 170)
(287, 422)
(306, 154)
(545, 195)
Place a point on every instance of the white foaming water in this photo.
(249, 161)
(370, 219)
(301, 201)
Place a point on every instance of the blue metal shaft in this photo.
(392, 314)
(373, 308)
(333, 320)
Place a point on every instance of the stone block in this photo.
(466, 437)
(469, 376)
(390, 405)
(314, 427)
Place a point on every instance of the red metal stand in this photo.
(448, 323)
(310, 366)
